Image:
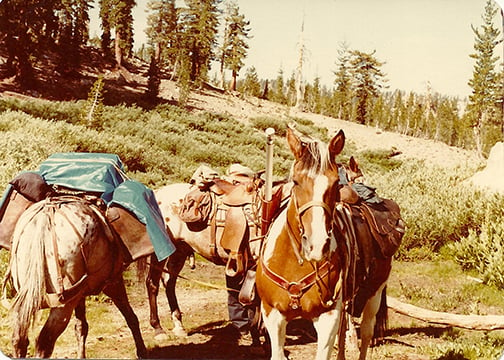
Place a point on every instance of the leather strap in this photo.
(296, 289)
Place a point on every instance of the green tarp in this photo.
(104, 173)
(140, 200)
(93, 172)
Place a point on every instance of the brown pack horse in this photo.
(303, 267)
(63, 250)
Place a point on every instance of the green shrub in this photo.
(436, 205)
(483, 248)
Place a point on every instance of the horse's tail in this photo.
(28, 265)
(381, 319)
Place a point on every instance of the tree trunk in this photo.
(477, 128)
(157, 53)
(232, 87)
(118, 50)
(471, 322)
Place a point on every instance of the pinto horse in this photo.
(187, 241)
(63, 250)
(305, 265)
(299, 271)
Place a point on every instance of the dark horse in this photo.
(63, 250)
(304, 270)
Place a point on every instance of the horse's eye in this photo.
(295, 182)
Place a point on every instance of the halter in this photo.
(300, 211)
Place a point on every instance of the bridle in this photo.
(299, 213)
(296, 289)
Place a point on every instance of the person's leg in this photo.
(239, 315)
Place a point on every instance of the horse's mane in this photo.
(315, 159)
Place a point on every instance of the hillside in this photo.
(364, 137)
(127, 86)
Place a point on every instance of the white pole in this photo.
(269, 164)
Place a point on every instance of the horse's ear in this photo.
(352, 163)
(336, 144)
(295, 143)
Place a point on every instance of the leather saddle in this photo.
(386, 225)
(230, 217)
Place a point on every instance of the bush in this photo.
(483, 248)
(436, 205)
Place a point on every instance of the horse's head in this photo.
(353, 172)
(315, 191)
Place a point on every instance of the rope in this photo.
(207, 284)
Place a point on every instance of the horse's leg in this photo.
(368, 321)
(327, 326)
(345, 326)
(276, 325)
(81, 328)
(174, 265)
(152, 284)
(117, 292)
(55, 325)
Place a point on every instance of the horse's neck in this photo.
(280, 246)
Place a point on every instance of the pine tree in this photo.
(251, 85)
(73, 34)
(200, 21)
(313, 96)
(368, 80)
(117, 15)
(234, 47)
(28, 27)
(154, 80)
(94, 105)
(291, 90)
(278, 94)
(343, 84)
(484, 81)
(161, 30)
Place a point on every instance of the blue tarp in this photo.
(94, 172)
(140, 200)
(104, 173)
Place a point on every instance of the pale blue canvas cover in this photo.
(140, 200)
(104, 173)
(94, 172)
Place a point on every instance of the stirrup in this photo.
(234, 265)
(247, 291)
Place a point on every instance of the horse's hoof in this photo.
(161, 336)
(180, 332)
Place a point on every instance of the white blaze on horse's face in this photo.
(315, 191)
(315, 240)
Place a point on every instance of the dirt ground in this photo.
(209, 336)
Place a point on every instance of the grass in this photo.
(166, 144)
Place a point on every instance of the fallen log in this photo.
(470, 322)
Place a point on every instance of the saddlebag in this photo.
(132, 232)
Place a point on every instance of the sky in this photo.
(421, 42)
